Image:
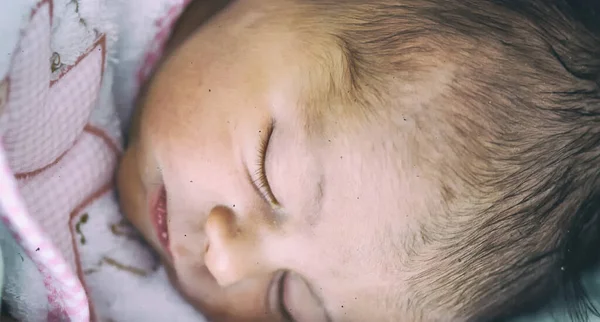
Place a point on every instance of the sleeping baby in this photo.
(382, 160)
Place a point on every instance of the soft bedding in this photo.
(69, 72)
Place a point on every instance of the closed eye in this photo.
(294, 300)
(260, 180)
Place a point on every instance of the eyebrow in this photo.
(314, 217)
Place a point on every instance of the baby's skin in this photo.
(381, 160)
(265, 219)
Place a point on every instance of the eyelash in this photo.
(261, 181)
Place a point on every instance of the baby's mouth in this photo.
(159, 218)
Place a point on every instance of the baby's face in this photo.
(249, 191)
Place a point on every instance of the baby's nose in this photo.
(232, 252)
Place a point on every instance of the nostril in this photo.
(232, 247)
(220, 263)
(221, 255)
(220, 224)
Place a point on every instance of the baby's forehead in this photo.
(310, 80)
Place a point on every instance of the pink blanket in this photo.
(69, 84)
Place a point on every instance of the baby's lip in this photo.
(158, 212)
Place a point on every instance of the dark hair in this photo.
(516, 128)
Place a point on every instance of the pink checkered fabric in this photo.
(66, 296)
(53, 161)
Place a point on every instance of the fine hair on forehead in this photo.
(504, 102)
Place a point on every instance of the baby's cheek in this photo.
(198, 287)
(180, 251)
(131, 194)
